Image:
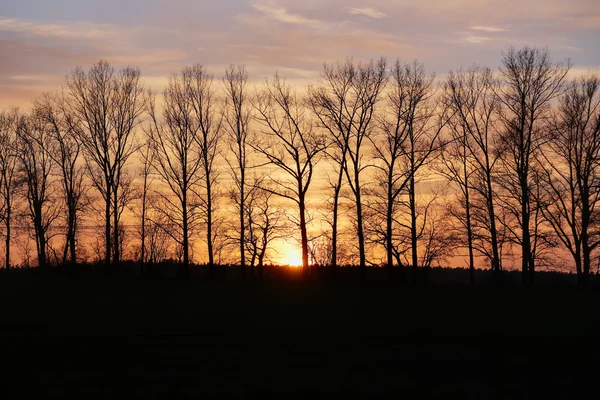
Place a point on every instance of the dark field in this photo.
(107, 338)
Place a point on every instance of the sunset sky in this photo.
(42, 40)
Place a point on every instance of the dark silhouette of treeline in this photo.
(416, 171)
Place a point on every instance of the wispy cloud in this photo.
(281, 14)
(482, 28)
(367, 12)
(79, 30)
(475, 39)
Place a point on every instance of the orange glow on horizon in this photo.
(289, 255)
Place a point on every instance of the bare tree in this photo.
(65, 150)
(405, 142)
(9, 124)
(344, 103)
(236, 125)
(531, 80)
(202, 99)
(107, 106)
(289, 143)
(183, 142)
(470, 162)
(412, 129)
(571, 161)
(35, 169)
(158, 241)
(266, 223)
(146, 169)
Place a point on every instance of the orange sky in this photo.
(41, 40)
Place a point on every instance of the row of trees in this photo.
(415, 169)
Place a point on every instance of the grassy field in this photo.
(107, 338)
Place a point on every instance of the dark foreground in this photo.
(100, 338)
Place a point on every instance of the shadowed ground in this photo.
(101, 338)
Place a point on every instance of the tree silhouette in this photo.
(107, 107)
(571, 166)
(288, 142)
(236, 125)
(179, 152)
(344, 103)
(9, 124)
(530, 81)
(65, 150)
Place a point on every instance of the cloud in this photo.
(281, 14)
(487, 28)
(367, 12)
(79, 30)
(475, 39)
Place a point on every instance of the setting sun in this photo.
(293, 260)
(290, 255)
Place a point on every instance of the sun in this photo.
(293, 260)
(290, 255)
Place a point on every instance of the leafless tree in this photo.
(10, 121)
(571, 161)
(178, 152)
(65, 150)
(405, 142)
(471, 160)
(530, 81)
(35, 172)
(146, 168)
(344, 102)
(203, 101)
(289, 143)
(107, 106)
(236, 125)
(266, 223)
(412, 128)
(157, 239)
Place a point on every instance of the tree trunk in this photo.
(116, 243)
(304, 235)
(107, 231)
(469, 228)
(242, 225)
(388, 229)
(334, 225)
(526, 244)
(209, 222)
(413, 228)
(185, 242)
(493, 230)
(585, 246)
(143, 231)
(361, 235)
(585, 276)
(7, 242)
